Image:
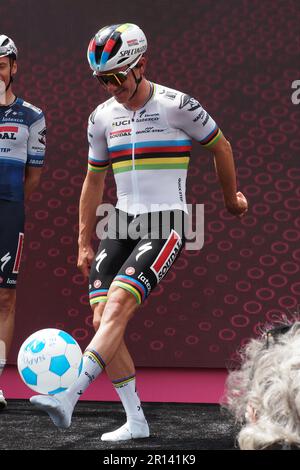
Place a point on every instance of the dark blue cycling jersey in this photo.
(22, 143)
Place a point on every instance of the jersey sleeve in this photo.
(189, 115)
(36, 145)
(98, 158)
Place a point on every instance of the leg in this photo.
(7, 318)
(122, 364)
(7, 321)
(119, 309)
(117, 312)
(11, 244)
(121, 372)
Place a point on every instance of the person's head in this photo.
(264, 394)
(8, 58)
(116, 56)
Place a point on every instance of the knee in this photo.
(7, 302)
(98, 312)
(120, 307)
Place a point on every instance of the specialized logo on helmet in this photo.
(115, 46)
(133, 52)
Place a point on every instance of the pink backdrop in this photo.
(239, 59)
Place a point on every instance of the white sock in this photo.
(126, 389)
(60, 406)
(92, 366)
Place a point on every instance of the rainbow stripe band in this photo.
(99, 295)
(122, 382)
(212, 138)
(151, 155)
(153, 164)
(96, 166)
(95, 357)
(133, 286)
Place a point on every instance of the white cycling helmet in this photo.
(7, 47)
(116, 45)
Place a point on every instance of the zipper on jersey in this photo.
(134, 171)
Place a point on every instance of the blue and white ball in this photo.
(49, 361)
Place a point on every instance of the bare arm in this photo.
(90, 199)
(235, 202)
(32, 179)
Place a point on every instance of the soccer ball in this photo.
(49, 361)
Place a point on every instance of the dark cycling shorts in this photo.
(137, 260)
(11, 242)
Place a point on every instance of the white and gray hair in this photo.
(264, 394)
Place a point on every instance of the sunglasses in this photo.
(115, 78)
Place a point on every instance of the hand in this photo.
(239, 207)
(86, 255)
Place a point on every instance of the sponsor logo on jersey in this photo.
(149, 129)
(102, 255)
(19, 253)
(145, 281)
(189, 102)
(125, 122)
(143, 249)
(180, 194)
(130, 271)
(8, 132)
(15, 120)
(204, 116)
(4, 260)
(11, 281)
(148, 117)
(167, 255)
(97, 283)
(42, 138)
(171, 95)
(121, 133)
(34, 108)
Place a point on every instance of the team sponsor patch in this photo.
(133, 42)
(19, 253)
(97, 283)
(8, 132)
(145, 281)
(130, 271)
(166, 256)
(190, 102)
